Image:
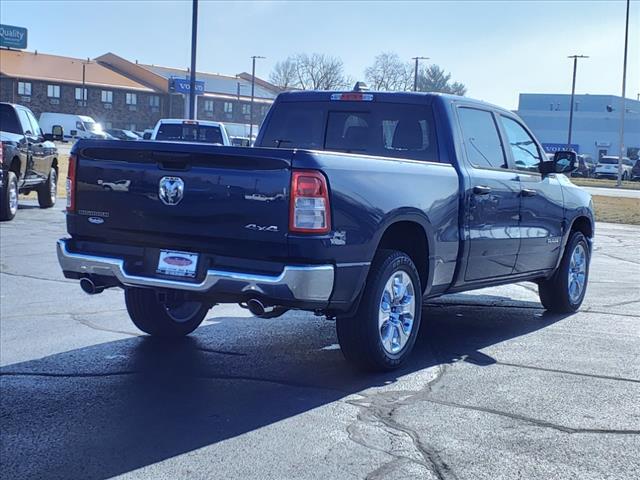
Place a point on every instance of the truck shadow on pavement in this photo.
(115, 407)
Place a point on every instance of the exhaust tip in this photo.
(90, 288)
(256, 307)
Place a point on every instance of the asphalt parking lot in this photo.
(496, 389)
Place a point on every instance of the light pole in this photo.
(253, 86)
(85, 102)
(415, 73)
(573, 92)
(192, 79)
(622, 107)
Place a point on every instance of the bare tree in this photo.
(388, 72)
(284, 74)
(310, 72)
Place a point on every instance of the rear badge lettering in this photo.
(261, 228)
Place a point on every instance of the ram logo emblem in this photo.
(171, 190)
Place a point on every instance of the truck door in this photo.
(492, 198)
(541, 204)
(41, 152)
(26, 145)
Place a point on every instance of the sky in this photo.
(498, 49)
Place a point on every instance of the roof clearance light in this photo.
(352, 97)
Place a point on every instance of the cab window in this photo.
(481, 138)
(523, 148)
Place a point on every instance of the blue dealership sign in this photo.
(13, 37)
(183, 85)
(556, 147)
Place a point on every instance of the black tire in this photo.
(48, 191)
(160, 319)
(9, 200)
(555, 291)
(360, 336)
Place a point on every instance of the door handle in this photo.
(527, 192)
(481, 190)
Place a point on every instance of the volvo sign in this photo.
(13, 37)
(183, 85)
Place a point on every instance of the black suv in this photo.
(29, 161)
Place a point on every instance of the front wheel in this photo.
(565, 290)
(163, 318)
(383, 331)
(48, 191)
(9, 200)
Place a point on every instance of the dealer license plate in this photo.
(179, 264)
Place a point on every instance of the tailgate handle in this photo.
(173, 165)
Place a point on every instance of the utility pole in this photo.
(622, 107)
(192, 79)
(415, 73)
(253, 86)
(84, 88)
(573, 93)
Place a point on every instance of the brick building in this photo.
(124, 94)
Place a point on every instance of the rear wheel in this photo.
(565, 290)
(9, 200)
(383, 332)
(163, 318)
(49, 190)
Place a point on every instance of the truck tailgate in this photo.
(231, 201)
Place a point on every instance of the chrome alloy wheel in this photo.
(577, 273)
(13, 198)
(397, 312)
(53, 181)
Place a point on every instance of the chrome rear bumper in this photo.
(312, 283)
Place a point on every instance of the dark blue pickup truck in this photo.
(353, 205)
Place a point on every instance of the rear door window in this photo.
(481, 138)
(382, 129)
(8, 120)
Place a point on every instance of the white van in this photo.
(73, 126)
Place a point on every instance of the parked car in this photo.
(608, 168)
(121, 134)
(74, 126)
(201, 131)
(585, 166)
(353, 205)
(28, 161)
(635, 171)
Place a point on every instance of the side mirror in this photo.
(564, 161)
(57, 133)
(146, 136)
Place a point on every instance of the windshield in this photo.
(92, 126)
(608, 161)
(384, 129)
(190, 133)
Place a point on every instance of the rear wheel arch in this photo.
(409, 236)
(15, 167)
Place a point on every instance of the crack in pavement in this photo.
(532, 421)
(377, 411)
(88, 323)
(34, 277)
(468, 358)
(274, 381)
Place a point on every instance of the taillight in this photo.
(71, 184)
(309, 209)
